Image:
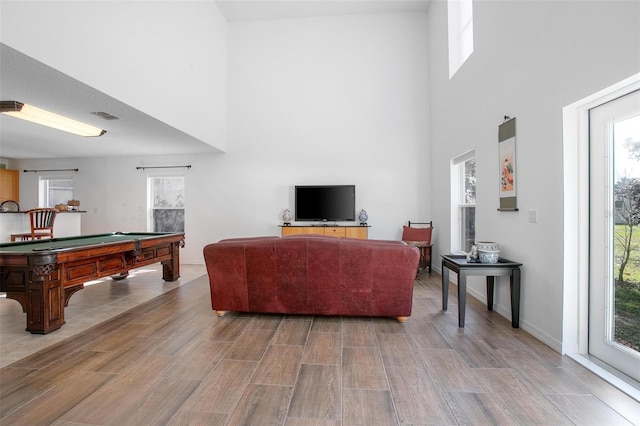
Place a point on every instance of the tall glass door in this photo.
(614, 282)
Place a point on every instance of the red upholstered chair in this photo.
(418, 234)
(42, 220)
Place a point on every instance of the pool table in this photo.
(43, 274)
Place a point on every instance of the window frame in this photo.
(459, 202)
(44, 184)
(151, 201)
(460, 33)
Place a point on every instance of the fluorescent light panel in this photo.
(49, 119)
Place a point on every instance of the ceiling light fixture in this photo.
(46, 118)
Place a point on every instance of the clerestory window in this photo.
(460, 33)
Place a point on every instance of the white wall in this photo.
(335, 100)
(531, 58)
(164, 58)
(310, 101)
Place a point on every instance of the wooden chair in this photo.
(420, 236)
(42, 220)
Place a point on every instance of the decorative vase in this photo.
(489, 256)
(488, 251)
(363, 217)
(487, 245)
(287, 216)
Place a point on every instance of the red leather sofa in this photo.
(311, 274)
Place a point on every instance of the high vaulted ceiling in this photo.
(29, 81)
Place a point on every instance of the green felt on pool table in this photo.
(80, 241)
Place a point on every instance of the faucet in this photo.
(5, 209)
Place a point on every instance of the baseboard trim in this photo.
(618, 379)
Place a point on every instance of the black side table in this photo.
(459, 265)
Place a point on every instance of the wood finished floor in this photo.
(99, 301)
(172, 361)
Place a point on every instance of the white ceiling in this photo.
(27, 80)
(248, 10)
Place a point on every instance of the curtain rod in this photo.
(163, 167)
(51, 170)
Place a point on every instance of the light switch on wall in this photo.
(533, 216)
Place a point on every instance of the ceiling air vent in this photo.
(105, 115)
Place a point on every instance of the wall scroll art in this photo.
(508, 169)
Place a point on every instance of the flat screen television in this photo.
(325, 203)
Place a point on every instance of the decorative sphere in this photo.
(363, 216)
(286, 215)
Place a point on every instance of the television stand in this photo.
(349, 231)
